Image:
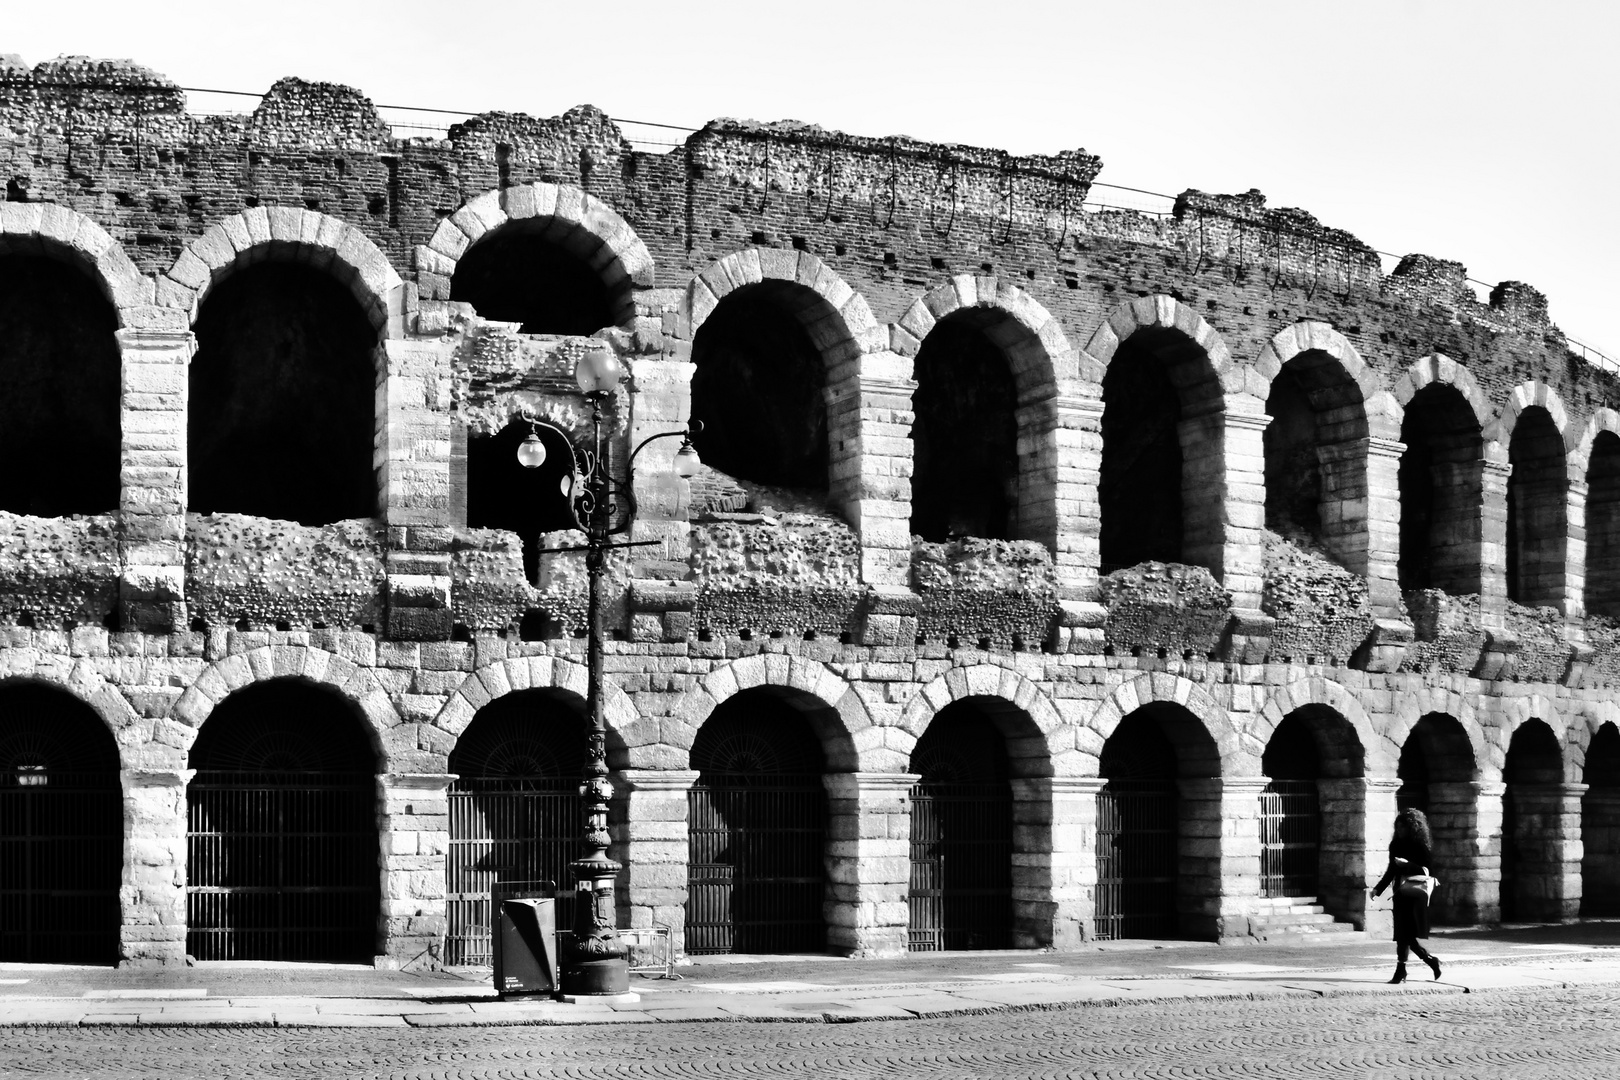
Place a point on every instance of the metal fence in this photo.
(281, 866)
(61, 856)
(1137, 860)
(961, 867)
(1290, 838)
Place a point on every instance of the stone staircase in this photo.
(1293, 915)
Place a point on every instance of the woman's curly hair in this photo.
(1412, 824)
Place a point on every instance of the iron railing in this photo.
(961, 867)
(61, 856)
(281, 866)
(755, 875)
(1137, 860)
(1290, 838)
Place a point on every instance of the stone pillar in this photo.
(1220, 855)
(868, 862)
(1547, 839)
(1600, 844)
(1572, 586)
(1358, 817)
(660, 402)
(413, 455)
(650, 842)
(1054, 871)
(152, 478)
(869, 449)
(1223, 493)
(1361, 521)
(413, 833)
(1060, 465)
(1466, 819)
(1493, 535)
(152, 895)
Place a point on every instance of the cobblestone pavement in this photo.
(1519, 1034)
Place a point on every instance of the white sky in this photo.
(1484, 132)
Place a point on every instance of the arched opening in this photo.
(758, 387)
(1163, 479)
(756, 828)
(1536, 529)
(61, 830)
(1532, 824)
(960, 896)
(1603, 526)
(1436, 771)
(502, 494)
(1441, 482)
(515, 812)
(1312, 482)
(965, 433)
(283, 413)
(1142, 819)
(61, 370)
(1600, 825)
(281, 845)
(1312, 820)
(534, 273)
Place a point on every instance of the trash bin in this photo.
(525, 945)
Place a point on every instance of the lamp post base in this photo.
(594, 978)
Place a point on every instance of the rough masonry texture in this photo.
(1252, 491)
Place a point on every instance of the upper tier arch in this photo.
(61, 233)
(1041, 357)
(849, 332)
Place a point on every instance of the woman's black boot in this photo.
(1400, 974)
(1434, 965)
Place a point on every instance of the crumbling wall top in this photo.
(318, 116)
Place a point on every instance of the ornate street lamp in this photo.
(596, 963)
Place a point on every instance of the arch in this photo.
(1309, 335)
(850, 740)
(1037, 349)
(1533, 394)
(501, 677)
(1011, 691)
(577, 222)
(1238, 754)
(1514, 712)
(1412, 707)
(1439, 368)
(1442, 478)
(1594, 470)
(1315, 690)
(1580, 440)
(850, 330)
(1158, 312)
(282, 233)
(127, 728)
(387, 731)
(65, 234)
(1600, 810)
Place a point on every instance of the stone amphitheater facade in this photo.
(1221, 507)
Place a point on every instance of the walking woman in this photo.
(1410, 856)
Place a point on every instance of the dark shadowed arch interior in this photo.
(960, 894)
(965, 435)
(1312, 821)
(1603, 526)
(61, 829)
(1436, 751)
(758, 387)
(60, 367)
(521, 273)
(1533, 771)
(515, 811)
(283, 398)
(756, 828)
(282, 855)
(1600, 825)
(1436, 769)
(1153, 501)
(502, 494)
(1441, 490)
(1315, 407)
(1536, 530)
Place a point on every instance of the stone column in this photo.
(1466, 819)
(660, 402)
(1493, 535)
(1060, 458)
(413, 833)
(1572, 584)
(413, 452)
(152, 475)
(1220, 855)
(650, 842)
(1547, 874)
(1054, 872)
(1361, 522)
(152, 895)
(1358, 817)
(869, 449)
(868, 862)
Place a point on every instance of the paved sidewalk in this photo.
(816, 989)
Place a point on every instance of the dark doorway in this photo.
(515, 812)
(1441, 487)
(283, 412)
(1532, 863)
(1536, 530)
(1138, 833)
(61, 369)
(1139, 490)
(961, 835)
(282, 855)
(1290, 812)
(1435, 771)
(516, 274)
(756, 832)
(1603, 527)
(61, 830)
(1600, 825)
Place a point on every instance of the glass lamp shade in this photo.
(532, 454)
(687, 463)
(598, 370)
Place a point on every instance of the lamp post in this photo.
(597, 962)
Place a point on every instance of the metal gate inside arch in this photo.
(755, 832)
(281, 852)
(515, 813)
(1138, 812)
(61, 830)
